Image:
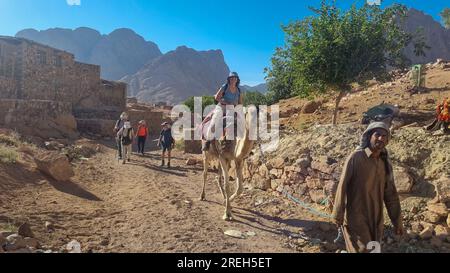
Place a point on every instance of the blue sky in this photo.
(248, 31)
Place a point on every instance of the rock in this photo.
(330, 187)
(15, 242)
(310, 107)
(403, 180)
(49, 226)
(432, 217)
(313, 183)
(191, 162)
(442, 187)
(263, 171)
(277, 173)
(31, 242)
(448, 220)
(442, 232)
(317, 196)
(416, 227)
(262, 183)
(234, 234)
(274, 184)
(55, 165)
(426, 234)
(439, 209)
(324, 164)
(73, 247)
(303, 163)
(25, 231)
(278, 163)
(250, 234)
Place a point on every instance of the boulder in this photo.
(442, 232)
(403, 180)
(431, 217)
(310, 107)
(426, 234)
(442, 187)
(55, 165)
(439, 209)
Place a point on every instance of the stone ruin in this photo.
(44, 92)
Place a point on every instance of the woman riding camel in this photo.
(228, 94)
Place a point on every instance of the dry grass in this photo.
(8, 154)
(10, 140)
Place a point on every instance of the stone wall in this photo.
(33, 72)
(42, 118)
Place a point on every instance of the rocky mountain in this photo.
(120, 53)
(436, 36)
(178, 75)
(262, 88)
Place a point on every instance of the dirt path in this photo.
(140, 207)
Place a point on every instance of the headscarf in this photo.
(365, 138)
(365, 143)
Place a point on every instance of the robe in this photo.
(364, 187)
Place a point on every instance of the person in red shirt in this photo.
(142, 134)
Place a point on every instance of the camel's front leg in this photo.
(220, 183)
(225, 169)
(239, 180)
(205, 176)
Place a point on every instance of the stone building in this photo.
(45, 92)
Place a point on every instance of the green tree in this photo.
(330, 51)
(445, 14)
(254, 98)
(206, 101)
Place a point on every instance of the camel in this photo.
(237, 151)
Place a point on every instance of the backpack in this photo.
(126, 140)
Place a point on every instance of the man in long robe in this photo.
(366, 184)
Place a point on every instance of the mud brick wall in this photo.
(33, 72)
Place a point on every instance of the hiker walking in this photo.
(366, 183)
(228, 94)
(142, 134)
(119, 125)
(166, 142)
(126, 137)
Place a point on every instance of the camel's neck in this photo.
(246, 145)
